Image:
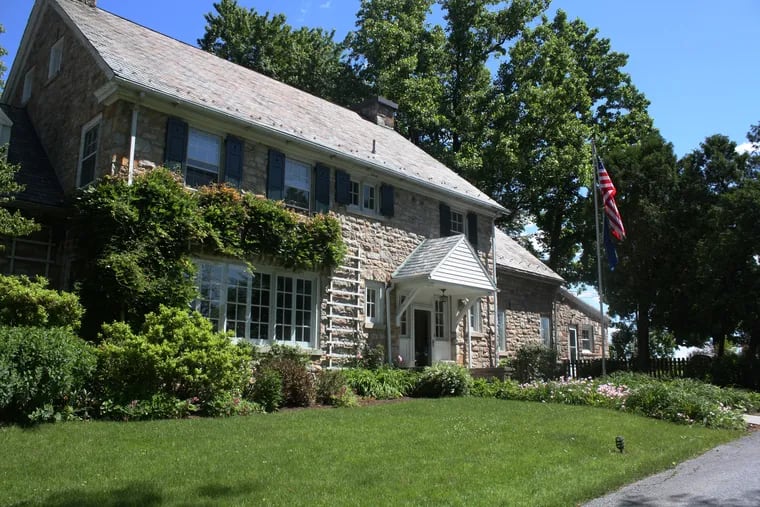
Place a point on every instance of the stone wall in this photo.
(524, 301)
(571, 313)
(60, 106)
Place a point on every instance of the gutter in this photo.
(388, 288)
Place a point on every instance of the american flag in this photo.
(610, 208)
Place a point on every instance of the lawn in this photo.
(458, 451)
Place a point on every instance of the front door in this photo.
(421, 337)
(573, 343)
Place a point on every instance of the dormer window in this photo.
(56, 58)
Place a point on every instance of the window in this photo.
(439, 319)
(545, 331)
(26, 94)
(88, 152)
(573, 343)
(263, 307)
(501, 329)
(404, 322)
(475, 317)
(587, 339)
(56, 57)
(297, 188)
(203, 158)
(373, 303)
(31, 255)
(457, 222)
(363, 197)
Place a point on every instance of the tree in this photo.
(12, 223)
(624, 340)
(646, 178)
(306, 58)
(561, 86)
(3, 52)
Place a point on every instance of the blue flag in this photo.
(609, 246)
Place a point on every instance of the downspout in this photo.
(132, 143)
(388, 289)
(495, 360)
(469, 337)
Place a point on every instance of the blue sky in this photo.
(695, 60)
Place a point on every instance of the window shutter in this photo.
(386, 200)
(276, 175)
(233, 161)
(445, 220)
(176, 144)
(472, 229)
(322, 188)
(342, 187)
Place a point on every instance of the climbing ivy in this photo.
(136, 242)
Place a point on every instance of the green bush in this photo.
(535, 362)
(41, 371)
(382, 384)
(229, 404)
(177, 353)
(333, 389)
(297, 383)
(158, 406)
(265, 389)
(25, 302)
(443, 379)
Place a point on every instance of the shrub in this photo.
(535, 362)
(177, 353)
(158, 406)
(297, 383)
(370, 358)
(229, 404)
(41, 370)
(333, 389)
(25, 302)
(443, 379)
(265, 389)
(382, 384)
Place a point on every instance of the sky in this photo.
(695, 60)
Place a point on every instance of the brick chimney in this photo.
(378, 110)
(89, 3)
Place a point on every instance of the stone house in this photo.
(91, 94)
(534, 307)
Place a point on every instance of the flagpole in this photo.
(599, 256)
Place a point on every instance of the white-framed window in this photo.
(475, 317)
(30, 255)
(374, 307)
(587, 339)
(364, 197)
(88, 152)
(203, 158)
(404, 321)
(56, 58)
(439, 318)
(297, 189)
(572, 342)
(501, 329)
(457, 222)
(545, 330)
(264, 307)
(26, 92)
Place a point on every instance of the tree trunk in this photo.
(642, 337)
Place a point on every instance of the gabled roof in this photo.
(581, 305)
(446, 261)
(35, 173)
(512, 257)
(145, 60)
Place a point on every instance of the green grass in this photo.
(459, 451)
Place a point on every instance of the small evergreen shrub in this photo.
(535, 362)
(25, 302)
(41, 372)
(177, 353)
(333, 389)
(265, 389)
(443, 379)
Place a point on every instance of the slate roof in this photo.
(36, 172)
(447, 260)
(583, 306)
(149, 61)
(511, 256)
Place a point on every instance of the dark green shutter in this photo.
(276, 175)
(233, 161)
(472, 229)
(445, 212)
(322, 188)
(176, 144)
(386, 200)
(342, 187)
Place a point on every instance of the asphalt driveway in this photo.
(728, 475)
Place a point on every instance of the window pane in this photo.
(203, 151)
(260, 291)
(457, 222)
(284, 309)
(237, 300)
(371, 301)
(368, 200)
(355, 193)
(303, 311)
(297, 183)
(210, 288)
